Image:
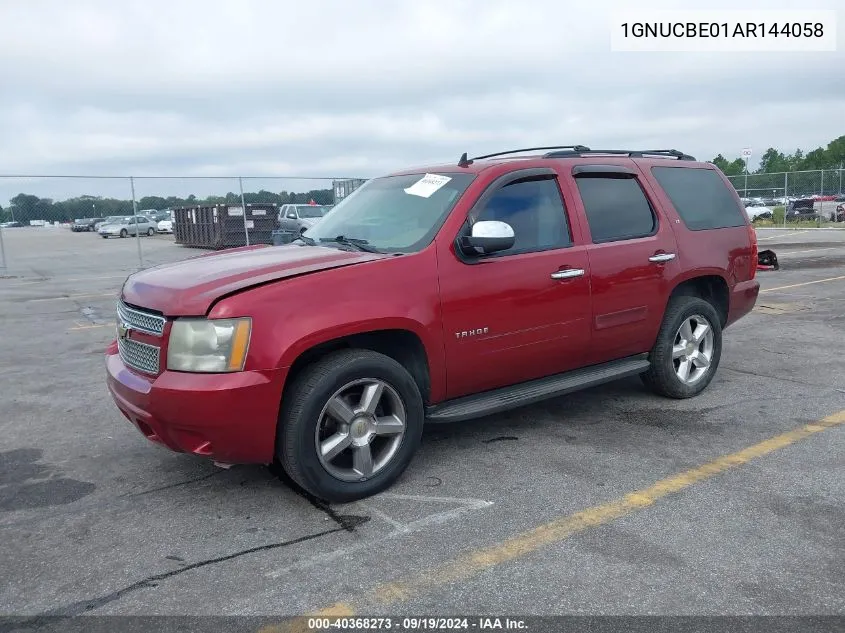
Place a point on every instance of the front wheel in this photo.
(124, 233)
(688, 349)
(150, 232)
(349, 425)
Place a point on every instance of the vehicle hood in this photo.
(190, 287)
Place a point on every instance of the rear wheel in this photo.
(688, 349)
(350, 425)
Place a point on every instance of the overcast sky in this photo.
(359, 87)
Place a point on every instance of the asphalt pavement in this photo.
(609, 501)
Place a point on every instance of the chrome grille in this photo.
(141, 321)
(138, 355)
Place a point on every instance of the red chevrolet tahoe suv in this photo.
(437, 294)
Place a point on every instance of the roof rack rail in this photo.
(667, 153)
(465, 162)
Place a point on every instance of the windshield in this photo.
(394, 213)
(311, 211)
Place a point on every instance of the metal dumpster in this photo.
(224, 225)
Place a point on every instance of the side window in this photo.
(616, 208)
(534, 209)
(131, 221)
(700, 197)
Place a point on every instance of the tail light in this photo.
(752, 234)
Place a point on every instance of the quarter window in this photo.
(700, 197)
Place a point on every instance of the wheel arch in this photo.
(402, 344)
(712, 287)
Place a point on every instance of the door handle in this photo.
(569, 273)
(662, 257)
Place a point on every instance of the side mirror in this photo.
(488, 237)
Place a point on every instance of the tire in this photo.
(303, 419)
(663, 376)
(150, 232)
(105, 237)
(124, 233)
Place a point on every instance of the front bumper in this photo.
(228, 417)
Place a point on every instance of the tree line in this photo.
(24, 207)
(774, 161)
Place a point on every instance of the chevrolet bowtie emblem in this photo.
(123, 331)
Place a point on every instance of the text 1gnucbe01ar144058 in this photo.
(723, 31)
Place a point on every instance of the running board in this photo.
(506, 398)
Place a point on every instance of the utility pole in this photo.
(746, 154)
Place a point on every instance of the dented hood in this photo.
(191, 286)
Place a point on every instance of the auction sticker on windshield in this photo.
(427, 185)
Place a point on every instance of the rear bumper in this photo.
(742, 300)
(228, 417)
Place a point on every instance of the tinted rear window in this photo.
(701, 197)
(616, 208)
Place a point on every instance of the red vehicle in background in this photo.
(437, 294)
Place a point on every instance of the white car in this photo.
(165, 226)
(758, 212)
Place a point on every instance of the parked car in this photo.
(83, 225)
(165, 225)
(839, 216)
(127, 226)
(107, 220)
(803, 209)
(14, 224)
(437, 294)
(758, 213)
(158, 216)
(296, 218)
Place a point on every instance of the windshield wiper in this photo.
(310, 241)
(361, 245)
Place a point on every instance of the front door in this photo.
(523, 313)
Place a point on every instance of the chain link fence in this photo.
(125, 224)
(808, 198)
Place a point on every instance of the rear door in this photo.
(632, 256)
(523, 313)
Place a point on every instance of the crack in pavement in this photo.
(84, 606)
(346, 522)
(792, 380)
(169, 486)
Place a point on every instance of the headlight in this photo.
(214, 346)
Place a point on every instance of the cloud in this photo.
(333, 88)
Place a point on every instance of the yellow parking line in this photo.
(89, 327)
(803, 283)
(72, 297)
(772, 237)
(475, 562)
(24, 284)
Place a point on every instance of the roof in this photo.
(573, 154)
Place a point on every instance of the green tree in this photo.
(772, 162)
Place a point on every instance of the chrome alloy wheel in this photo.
(360, 429)
(692, 350)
